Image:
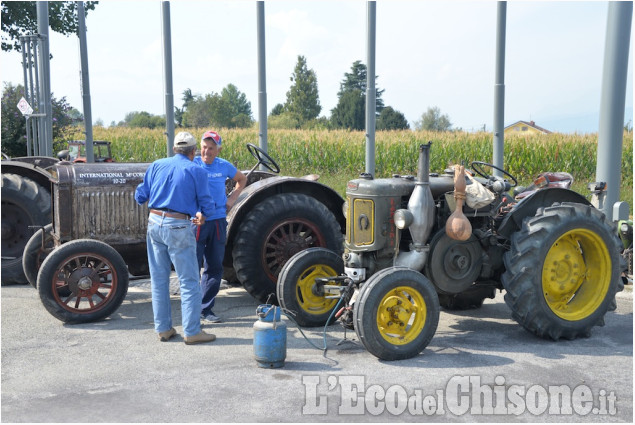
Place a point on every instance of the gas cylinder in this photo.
(270, 337)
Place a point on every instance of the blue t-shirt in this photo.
(176, 183)
(217, 172)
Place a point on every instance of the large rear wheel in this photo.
(298, 292)
(274, 231)
(396, 313)
(24, 203)
(82, 281)
(563, 271)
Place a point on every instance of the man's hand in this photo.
(199, 220)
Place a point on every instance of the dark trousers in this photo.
(210, 250)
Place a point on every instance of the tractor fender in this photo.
(528, 206)
(256, 192)
(35, 168)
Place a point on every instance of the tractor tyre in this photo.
(275, 230)
(396, 313)
(563, 271)
(470, 299)
(24, 203)
(82, 281)
(35, 252)
(298, 292)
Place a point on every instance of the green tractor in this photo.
(411, 247)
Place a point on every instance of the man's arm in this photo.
(241, 182)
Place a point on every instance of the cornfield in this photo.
(343, 152)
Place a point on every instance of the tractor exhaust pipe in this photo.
(421, 206)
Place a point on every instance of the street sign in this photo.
(24, 107)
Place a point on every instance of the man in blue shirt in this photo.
(211, 236)
(176, 190)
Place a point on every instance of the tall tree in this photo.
(433, 120)
(302, 98)
(229, 109)
(356, 79)
(390, 119)
(350, 111)
(20, 17)
(238, 105)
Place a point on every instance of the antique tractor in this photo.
(411, 247)
(81, 262)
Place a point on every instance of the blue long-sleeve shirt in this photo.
(177, 184)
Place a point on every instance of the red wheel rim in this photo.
(286, 239)
(84, 283)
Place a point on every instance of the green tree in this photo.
(302, 98)
(277, 110)
(143, 119)
(350, 111)
(229, 109)
(188, 97)
(356, 79)
(237, 107)
(389, 119)
(14, 124)
(20, 17)
(432, 120)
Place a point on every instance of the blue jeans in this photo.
(210, 250)
(170, 241)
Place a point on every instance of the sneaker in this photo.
(199, 338)
(210, 318)
(165, 336)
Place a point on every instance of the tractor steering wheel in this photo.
(477, 166)
(263, 158)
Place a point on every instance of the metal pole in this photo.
(262, 78)
(23, 43)
(611, 129)
(499, 88)
(83, 52)
(370, 90)
(45, 75)
(37, 125)
(167, 74)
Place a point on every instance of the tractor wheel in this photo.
(275, 230)
(82, 281)
(396, 313)
(563, 271)
(35, 253)
(24, 203)
(471, 298)
(297, 290)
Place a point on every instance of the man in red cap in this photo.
(210, 246)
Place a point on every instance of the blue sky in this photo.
(428, 53)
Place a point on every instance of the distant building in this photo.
(524, 127)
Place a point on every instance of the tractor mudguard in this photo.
(529, 205)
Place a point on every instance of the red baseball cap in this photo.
(214, 136)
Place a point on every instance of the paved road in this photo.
(480, 367)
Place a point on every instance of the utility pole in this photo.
(83, 53)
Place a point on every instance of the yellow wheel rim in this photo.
(576, 274)
(401, 315)
(309, 298)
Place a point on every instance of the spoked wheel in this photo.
(274, 231)
(82, 281)
(396, 314)
(563, 271)
(298, 292)
(37, 248)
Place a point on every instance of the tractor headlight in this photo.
(403, 219)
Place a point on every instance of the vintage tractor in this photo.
(81, 263)
(26, 201)
(411, 247)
